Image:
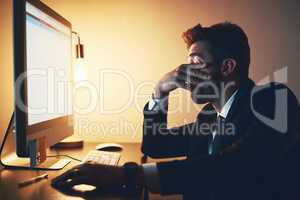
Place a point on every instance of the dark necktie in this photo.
(215, 131)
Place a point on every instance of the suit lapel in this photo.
(231, 128)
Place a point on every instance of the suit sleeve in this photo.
(159, 141)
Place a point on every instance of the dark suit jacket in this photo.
(258, 161)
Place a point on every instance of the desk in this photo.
(43, 190)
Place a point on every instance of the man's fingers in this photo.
(69, 182)
(187, 84)
(193, 72)
(191, 76)
(67, 175)
(196, 66)
(69, 190)
(197, 74)
(188, 79)
(192, 66)
(191, 83)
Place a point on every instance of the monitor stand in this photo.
(11, 161)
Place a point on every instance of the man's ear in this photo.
(229, 65)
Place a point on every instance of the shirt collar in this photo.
(225, 109)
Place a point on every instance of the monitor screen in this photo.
(42, 74)
(49, 60)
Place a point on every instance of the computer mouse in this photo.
(109, 147)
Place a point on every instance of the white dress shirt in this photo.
(150, 169)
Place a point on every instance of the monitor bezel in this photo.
(20, 66)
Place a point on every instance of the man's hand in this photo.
(100, 176)
(186, 76)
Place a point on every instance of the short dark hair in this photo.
(227, 40)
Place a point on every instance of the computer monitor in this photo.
(43, 76)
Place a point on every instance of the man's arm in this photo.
(158, 140)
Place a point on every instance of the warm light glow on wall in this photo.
(142, 39)
(132, 44)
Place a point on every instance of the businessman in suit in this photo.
(244, 143)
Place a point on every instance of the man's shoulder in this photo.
(275, 105)
(272, 94)
(271, 87)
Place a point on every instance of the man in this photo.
(233, 150)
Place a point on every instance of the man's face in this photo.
(199, 53)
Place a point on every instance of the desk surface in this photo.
(43, 190)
